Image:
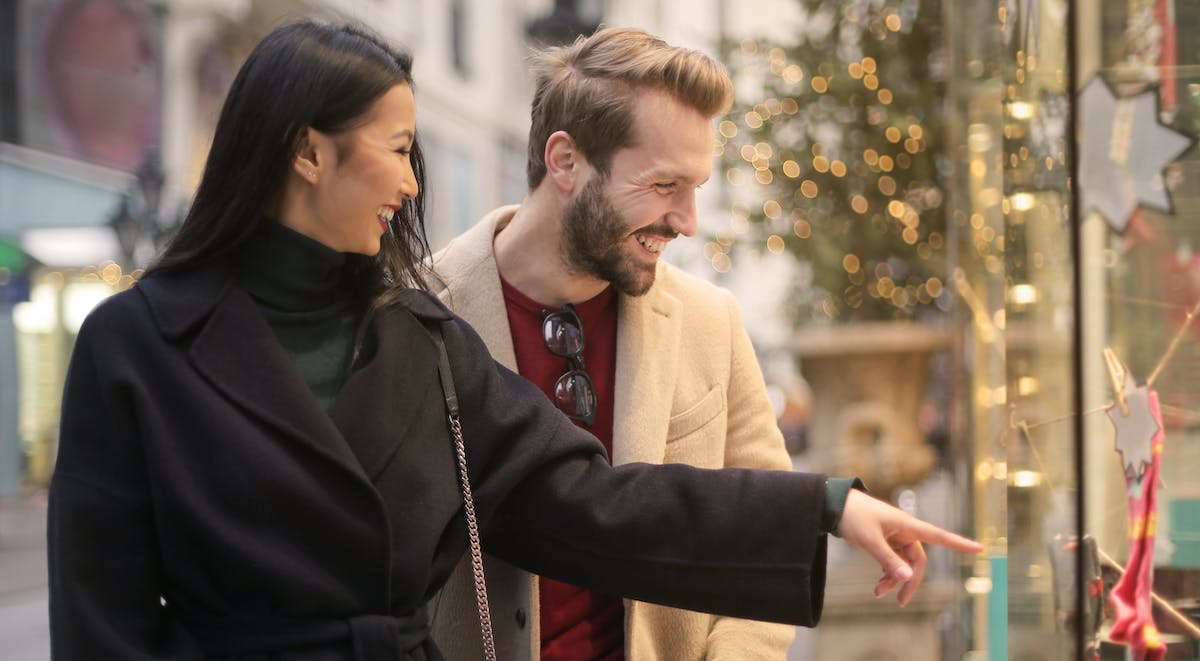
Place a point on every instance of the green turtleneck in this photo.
(296, 282)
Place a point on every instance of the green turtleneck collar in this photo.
(288, 271)
(297, 284)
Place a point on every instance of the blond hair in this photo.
(588, 89)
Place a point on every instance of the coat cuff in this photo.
(836, 491)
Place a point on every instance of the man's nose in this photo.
(682, 218)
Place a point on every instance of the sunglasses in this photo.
(574, 394)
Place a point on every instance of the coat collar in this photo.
(648, 332)
(467, 279)
(179, 300)
(230, 343)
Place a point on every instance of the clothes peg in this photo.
(1116, 375)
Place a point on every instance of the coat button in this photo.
(520, 618)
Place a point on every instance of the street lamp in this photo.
(561, 26)
(150, 180)
(124, 225)
(137, 221)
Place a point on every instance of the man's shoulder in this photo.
(461, 260)
(690, 289)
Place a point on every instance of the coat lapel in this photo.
(468, 282)
(648, 331)
(237, 352)
(396, 387)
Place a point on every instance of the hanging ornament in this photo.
(1142, 459)
(1136, 428)
(1137, 419)
(1123, 150)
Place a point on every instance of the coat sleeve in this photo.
(738, 542)
(105, 593)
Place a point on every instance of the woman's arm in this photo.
(738, 542)
(734, 542)
(105, 593)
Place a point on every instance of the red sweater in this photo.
(576, 624)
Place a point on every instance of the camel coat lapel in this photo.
(467, 281)
(648, 329)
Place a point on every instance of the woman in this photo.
(254, 460)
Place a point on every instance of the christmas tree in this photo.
(835, 157)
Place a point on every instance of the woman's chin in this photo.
(370, 250)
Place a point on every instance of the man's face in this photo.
(617, 225)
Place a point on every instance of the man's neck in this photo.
(529, 256)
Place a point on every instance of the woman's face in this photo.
(363, 176)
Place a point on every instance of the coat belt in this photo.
(372, 637)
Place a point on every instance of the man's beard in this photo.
(593, 235)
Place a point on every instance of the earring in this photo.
(311, 174)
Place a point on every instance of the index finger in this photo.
(931, 534)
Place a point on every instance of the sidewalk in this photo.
(24, 599)
(22, 543)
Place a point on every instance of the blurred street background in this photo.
(24, 631)
(928, 265)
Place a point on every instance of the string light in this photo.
(851, 184)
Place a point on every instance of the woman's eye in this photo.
(403, 151)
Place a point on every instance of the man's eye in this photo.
(665, 188)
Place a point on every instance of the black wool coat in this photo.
(205, 506)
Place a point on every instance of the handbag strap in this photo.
(460, 451)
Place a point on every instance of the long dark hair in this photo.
(303, 74)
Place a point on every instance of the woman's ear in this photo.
(566, 166)
(307, 161)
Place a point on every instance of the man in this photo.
(567, 288)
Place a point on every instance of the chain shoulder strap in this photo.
(460, 451)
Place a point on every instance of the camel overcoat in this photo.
(688, 390)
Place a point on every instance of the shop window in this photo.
(1076, 266)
